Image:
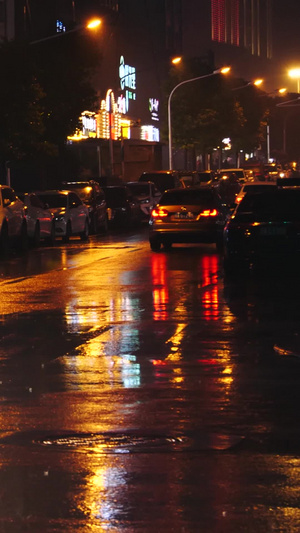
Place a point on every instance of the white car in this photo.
(13, 225)
(71, 215)
(40, 221)
(147, 195)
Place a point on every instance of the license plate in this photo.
(186, 216)
(270, 231)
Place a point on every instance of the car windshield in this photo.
(270, 206)
(54, 200)
(188, 197)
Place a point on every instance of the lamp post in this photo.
(223, 70)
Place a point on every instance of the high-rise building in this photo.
(243, 23)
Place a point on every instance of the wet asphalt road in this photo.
(142, 392)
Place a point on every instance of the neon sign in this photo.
(127, 76)
(154, 108)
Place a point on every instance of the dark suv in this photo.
(162, 179)
(93, 196)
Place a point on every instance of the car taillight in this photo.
(159, 213)
(209, 213)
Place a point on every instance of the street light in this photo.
(295, 74)
(176, 60)
(223, 70)
(93, 24)
(257, 83)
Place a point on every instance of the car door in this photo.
(100, 205)
(41, 214)
(14, 211)
(77, 212)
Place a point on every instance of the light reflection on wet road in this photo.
(140, 392)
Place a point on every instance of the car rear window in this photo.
(188, 197)
(257, 188)
(278, 205)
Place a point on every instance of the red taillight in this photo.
(209, 213)
(159, 213)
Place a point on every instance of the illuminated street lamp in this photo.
(223, 70)
(91, 25)
(295, 74)
(176, 60)
(256, 82)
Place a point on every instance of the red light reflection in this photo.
(160, 291)
(210, 297)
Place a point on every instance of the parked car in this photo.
(192, 215)
(93, 196)
(263, 230)
(163, 179)
(13, 225)
(40, 221)
(146, 194)
(71, 215)
(123, 210)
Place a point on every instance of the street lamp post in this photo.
(223, 70)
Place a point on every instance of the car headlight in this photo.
(59, 218)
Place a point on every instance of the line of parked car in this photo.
(79, 208)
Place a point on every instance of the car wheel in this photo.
(85, 234)
(4, 240)
(68, 234)
(155, 245)
(36, 240)
(167, 245)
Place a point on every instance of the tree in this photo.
(44, 89)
